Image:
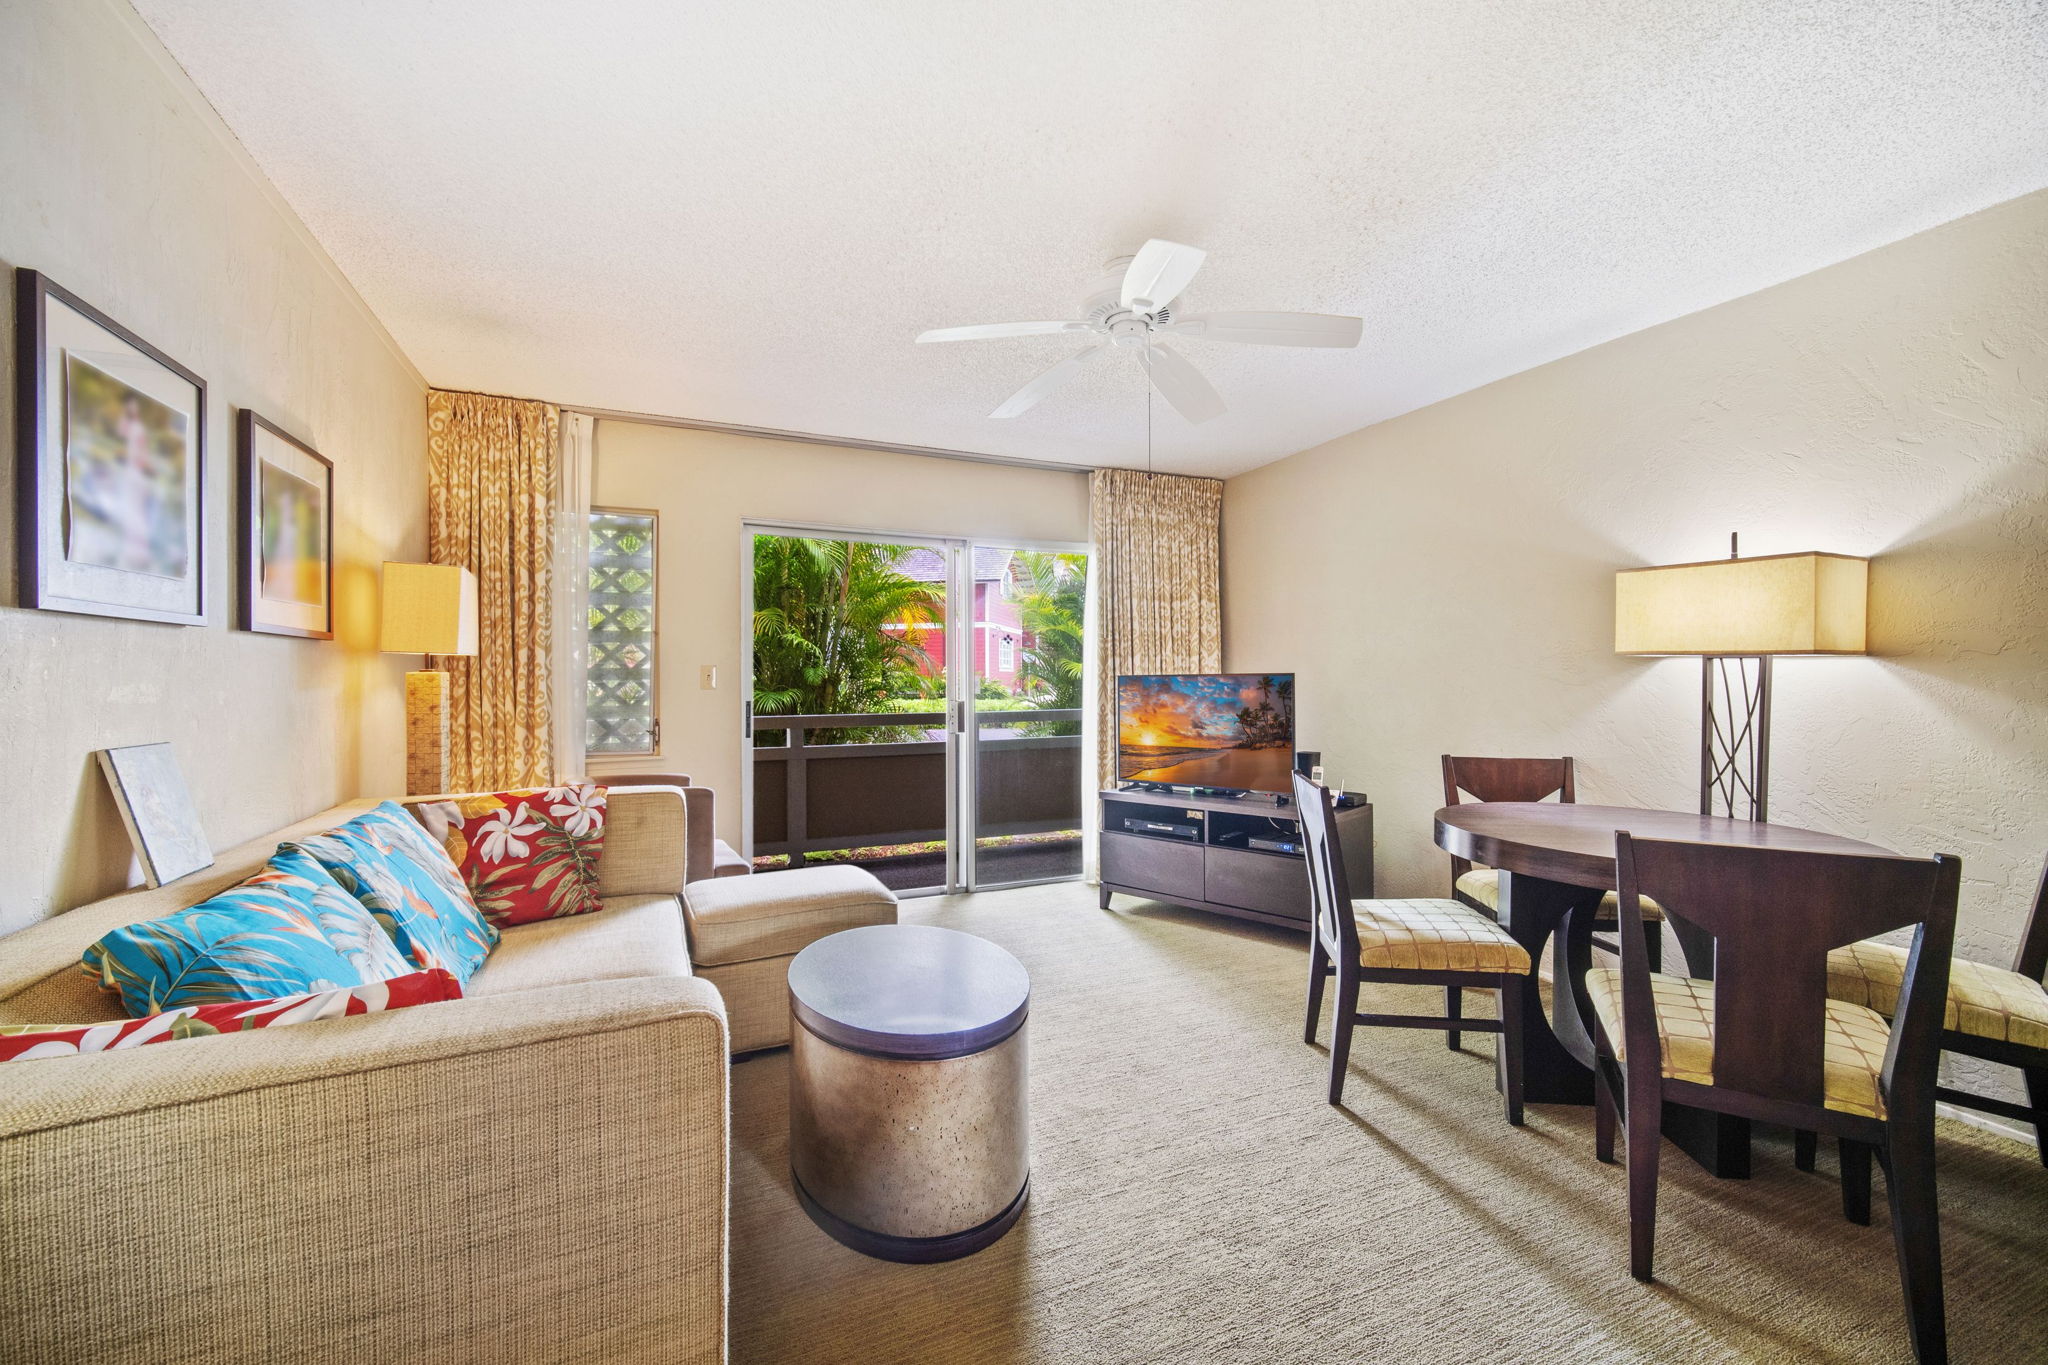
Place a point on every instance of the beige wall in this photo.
(705, 484)
(123, 187)
(1444, 581)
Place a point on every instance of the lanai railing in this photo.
(811, 797)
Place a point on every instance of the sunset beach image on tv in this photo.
(1231, 730)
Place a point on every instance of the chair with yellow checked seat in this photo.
(1523, 779)
(1763, 1041)
(1993, 1014)
(1406, 942)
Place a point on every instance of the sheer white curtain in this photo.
(1091, 727)
(572, 593)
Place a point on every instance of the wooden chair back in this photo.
(1329, 889)
(2032, 959)
(1504, 779)
(1774, 915)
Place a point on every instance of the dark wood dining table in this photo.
(1556, 861)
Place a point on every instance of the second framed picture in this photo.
(287, 525)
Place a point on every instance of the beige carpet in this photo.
(1194, 1199)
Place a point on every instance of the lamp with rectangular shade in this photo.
(1737, 614)
(428, 609)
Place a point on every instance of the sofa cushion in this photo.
(19, 1042)
(288, 930)
(646, 841)
(771, 914)
(627, 936)
(527, 855)
(409, 886)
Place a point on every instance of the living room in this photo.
(815, 823)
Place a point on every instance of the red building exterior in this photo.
(997, 651)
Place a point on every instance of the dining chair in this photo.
(1522, 779)
(1763, 1040)
(1992, 1014)
(1405, 942)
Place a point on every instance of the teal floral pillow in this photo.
(411, 889)
(391, 828)
(288, 930)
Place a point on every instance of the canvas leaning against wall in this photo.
(157, 808)
(112, 469)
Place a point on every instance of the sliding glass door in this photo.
(913, 707)
(1023, 757)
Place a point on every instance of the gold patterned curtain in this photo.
(491, 489)
(1159, 584)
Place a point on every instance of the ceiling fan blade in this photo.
(983, 330)
(1028, 396)
(1158, 273)
(1181, 384)
(1272, 329)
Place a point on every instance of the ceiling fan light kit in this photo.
(1133, 310)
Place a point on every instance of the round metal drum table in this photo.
(909, 1124)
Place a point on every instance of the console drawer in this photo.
(1258, 881)
(1164, 867)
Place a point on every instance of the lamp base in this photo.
(1735, 736)
(426, 732)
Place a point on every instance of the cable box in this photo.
(1273, 845)
(1192, 833)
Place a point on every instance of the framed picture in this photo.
(157, 808)
(287, 532)
(111, 472)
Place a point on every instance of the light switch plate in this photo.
(707, 676)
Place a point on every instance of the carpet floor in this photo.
(1194, 1199)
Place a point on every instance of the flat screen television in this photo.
(1229, 730)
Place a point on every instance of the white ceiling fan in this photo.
(1133, 308)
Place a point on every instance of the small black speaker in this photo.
(1305, 761)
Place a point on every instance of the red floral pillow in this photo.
(19, 1042)
(527, 855)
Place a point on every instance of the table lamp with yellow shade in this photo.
(1737, 615)
(428, 609)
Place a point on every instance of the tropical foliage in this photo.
(1052, 592)
(835, 626)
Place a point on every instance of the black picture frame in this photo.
(40, 477)
(249, 466)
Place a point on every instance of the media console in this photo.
(1199, 851)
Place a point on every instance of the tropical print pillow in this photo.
(409, 886)
(527, 855)
(396, 826)
(25, 1042)
(288, 930)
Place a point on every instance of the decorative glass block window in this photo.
(621, 717)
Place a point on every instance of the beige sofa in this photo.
(536, 1172)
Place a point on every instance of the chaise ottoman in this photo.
(744, 931)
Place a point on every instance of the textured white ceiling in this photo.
(744, 211)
